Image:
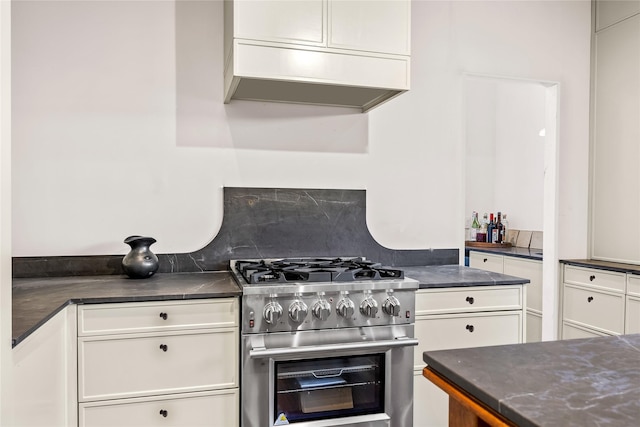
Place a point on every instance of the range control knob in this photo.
(345, 308)
(272, 312)
(369, 307)
(391, 306)
(298, 311)
(321, 309)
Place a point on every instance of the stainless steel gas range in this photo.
(326, 342)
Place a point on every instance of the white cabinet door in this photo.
(463, 330)
(609, 12)
(531, 270)
(44, 374)
(594, 309)
(106, 319)
(485, 261)
(219, 408)
(375, 26)
(156, 364)
(430, 404)
(616, 153)
(468, 299)
(298, 22)
(534, 327)
(632, 320)
(570, 331)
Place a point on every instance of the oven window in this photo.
(328, 388)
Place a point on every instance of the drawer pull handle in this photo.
(164, 347)
(485, 260)
(592, 278)
(164, 413)
(164, 316)
(470, 328)
(589, 299)
(470, 300)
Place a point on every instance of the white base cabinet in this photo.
(632, 312)
(457, 318)
(518, 267)
(44, 375)
(598, 302)
(211, 408)
(170, 363)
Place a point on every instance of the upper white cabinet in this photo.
(325, 52)
(373, 26)
(298, 22)
(615, 233)
(608, 12)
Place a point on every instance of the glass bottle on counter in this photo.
(490, 229)
(482, 233)
(475, 226)
(500, 229)
(505, 227)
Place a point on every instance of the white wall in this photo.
(504, 149)
(119, 125)
(5, 214)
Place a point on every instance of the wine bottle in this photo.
(482, 234)
(500, 228)
(475, 226)
(490, 229)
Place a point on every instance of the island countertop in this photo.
(580, 382)
(36, 300)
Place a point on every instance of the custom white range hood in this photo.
(323, 52)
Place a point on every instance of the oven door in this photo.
(356, 376)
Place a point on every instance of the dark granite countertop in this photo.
(36, 300)
(448, 276)
(580, 382)
(603, 265)
(514, 251)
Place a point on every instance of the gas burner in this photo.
(294, 270)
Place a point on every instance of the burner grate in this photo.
(314, 270)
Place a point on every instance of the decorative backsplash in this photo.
(263, 223)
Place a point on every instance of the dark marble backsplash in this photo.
(263, 223)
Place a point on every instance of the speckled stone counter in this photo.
(513, 251)
(604, 265)
(36, 300)
(583, 382)
(448, 276)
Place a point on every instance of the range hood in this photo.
(321, 52)
(363, 98)
(307, 75)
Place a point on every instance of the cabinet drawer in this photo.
(594, 309)
(485, 261)
(468, 300)
(125, 366)
(633, 285)
(632, 322)
(570, 332)
(462, 330)
(608, 280)
(218, 408)
(102, 319)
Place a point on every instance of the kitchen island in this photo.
(583, 382)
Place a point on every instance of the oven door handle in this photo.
(258, 353)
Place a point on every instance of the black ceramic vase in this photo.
(140, 262)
